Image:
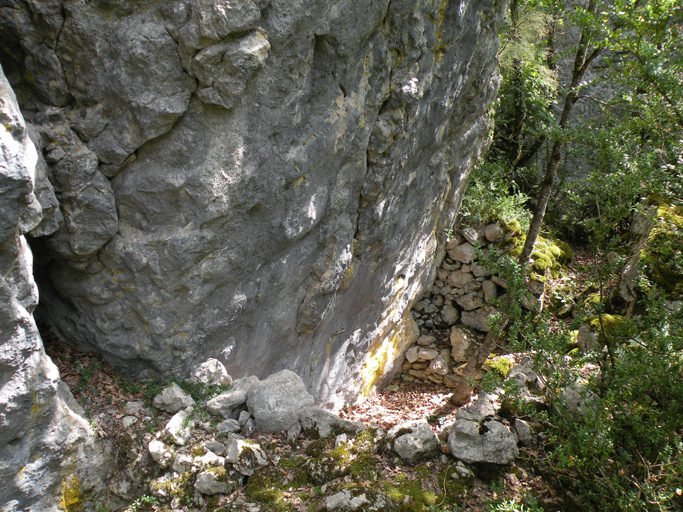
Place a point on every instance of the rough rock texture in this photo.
(44, 445)
(278, 401)
(413, 441)
(263, 182)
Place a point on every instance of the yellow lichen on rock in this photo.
(386, 351)
(71, 499)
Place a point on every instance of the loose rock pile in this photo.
(207, 451)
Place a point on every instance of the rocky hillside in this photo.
(264, 182)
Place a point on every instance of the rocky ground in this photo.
(299, 476)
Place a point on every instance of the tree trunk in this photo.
(581, 63)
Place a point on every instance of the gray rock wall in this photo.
(264, 182)
(46, 450)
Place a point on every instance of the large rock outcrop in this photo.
(264, 182)
(47, 457)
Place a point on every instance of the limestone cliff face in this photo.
(44, 445)
(259, 181)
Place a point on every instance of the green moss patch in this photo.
(662, 257)
(617, 328)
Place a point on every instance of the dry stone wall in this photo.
(461, 302)
(262, 181)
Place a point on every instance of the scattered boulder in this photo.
(245, 455)
(317, 422)
(216, 480)
(357, 499)
(212, 372)
(172, 399)
(161, 453)
(413, 441)
(179, 427)
(471, 440)
(276, 402)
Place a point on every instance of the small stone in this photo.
(437, 379)
(133, 408)
(462, 340)
(451, 266)
(244, 417)
(470, 301)
(462, 392)
(129, 421)
(227, 404)
(458, 279)
(426, 339)
(493, 232)
(450, 315)
(439, 365)
(215, 446)
(246, 456)
(212, 372)
(454, 242)
(412, 354)
(418, 373)
(500, 282)
(229, 426)
(212, 481)
(55, 155)
(293, 432)
(317, 422)
(478, 319)
(413, 441)
(420, 305)
(490, 291)
(524, 434)
(249, 427)
(464, 253)
(473, 236)
(427, 354)
(183, 463)
(487, 441)
(160, 453)
(480, 271)
(179, 427)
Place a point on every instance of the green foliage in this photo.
(510, 505)
(490, 197)
(622, 450)
(143, 504)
